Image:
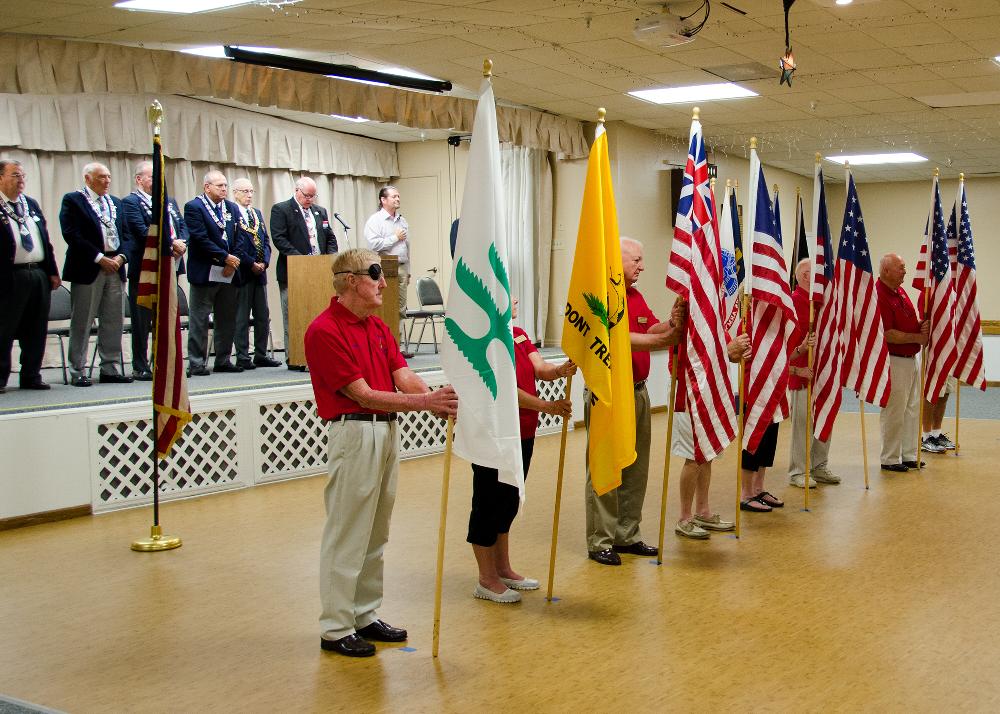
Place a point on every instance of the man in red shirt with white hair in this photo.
(361, 382)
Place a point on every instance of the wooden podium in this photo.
(310, 287)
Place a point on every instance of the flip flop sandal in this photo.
(769, 499)
(751, 504)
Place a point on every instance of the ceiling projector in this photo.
(665, 30)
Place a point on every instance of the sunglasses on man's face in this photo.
(374, 272)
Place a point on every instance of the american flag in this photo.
(158, 292)
(969, 367)
(772, 317)
(693, 273)
(828, 353)
(732, 260)
(938, 301)
(865, 367)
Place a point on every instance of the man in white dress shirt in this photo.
(386, 232)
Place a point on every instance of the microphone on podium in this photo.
(341, 221)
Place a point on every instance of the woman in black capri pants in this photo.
(495, 504)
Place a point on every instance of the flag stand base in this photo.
(156, 541)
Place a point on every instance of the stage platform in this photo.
(87, 449)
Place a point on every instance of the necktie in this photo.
(311, 229)
(109, 229)
(26, 241)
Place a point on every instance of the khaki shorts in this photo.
(682, 441)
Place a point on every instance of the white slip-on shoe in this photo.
(507, 596)
(522, 584)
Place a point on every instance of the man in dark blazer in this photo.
(215, 255)
(253, 291)
(138, 210)
(298, 227)
(93, 227)
(28, 275)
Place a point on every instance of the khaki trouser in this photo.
(899, 418)
(613, 519)
(797, 454)
(364, 462)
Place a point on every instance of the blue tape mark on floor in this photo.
(407, 649)
(555, 599)
(654, 561)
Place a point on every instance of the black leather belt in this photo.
(27, 266)
(391, 416)
(640, 385)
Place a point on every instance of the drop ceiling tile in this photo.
(942, 52)
(686, 78)
(866, 93)
(710, 57)
(956, 70)
(610, 49)
(972, 29)
(896, 75)
(924, 33)
(576, 30)
(869, 58)
(475, 20)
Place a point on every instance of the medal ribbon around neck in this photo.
(21, 220)
(226, 216)
(109, 223)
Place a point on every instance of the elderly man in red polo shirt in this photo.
(361, 381)
(904, 335)
(613, 519)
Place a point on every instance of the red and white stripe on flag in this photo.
(865, 367)
(828, 353)
(969, 366)
(773, 319)
(693, 272)
(938, 303)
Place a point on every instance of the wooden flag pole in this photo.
(864, 439)
(558, 504)
(666, 456)
(958, 410)
(809, 401)
(927, 316)
(441, 532)
(739, 446)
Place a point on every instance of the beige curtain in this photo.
(31, 65)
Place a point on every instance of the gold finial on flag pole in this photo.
(753, 142)
(729, 183)
(819, 157)
(961, 178)
(601, 113)
(798, 191)
(776, 188)
(155, 116)
(937, 172)
(487, 68)
(695, 113)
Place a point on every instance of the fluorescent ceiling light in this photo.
(180, 6)
(356, 120)
(697, 93)
(844, 2)
(403, 72)
(220, 52)
(871, 159)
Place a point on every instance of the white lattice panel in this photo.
(203, 459)
(551, 390)
(291, 439)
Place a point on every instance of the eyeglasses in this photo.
(374, 272)
(221, 185)
(243, 190)
(306, 195)
(19, 177)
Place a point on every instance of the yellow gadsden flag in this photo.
(595, 326)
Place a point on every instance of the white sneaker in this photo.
(713, 523)
(507, 596)
(931, 446)
(825, 476)
(522, 584)
(944, 441)
(799, 481)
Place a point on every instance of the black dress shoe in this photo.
(81, 381)
(242, 364)
(383, 632)
(227, 367)
(353, 646)
(142, 375)
(899, 468)
(637, 548)
(198, 372)
(266, 362)
(115, 379)
(914, 465)
(35, 384)
(298, 367)
(605, 557)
